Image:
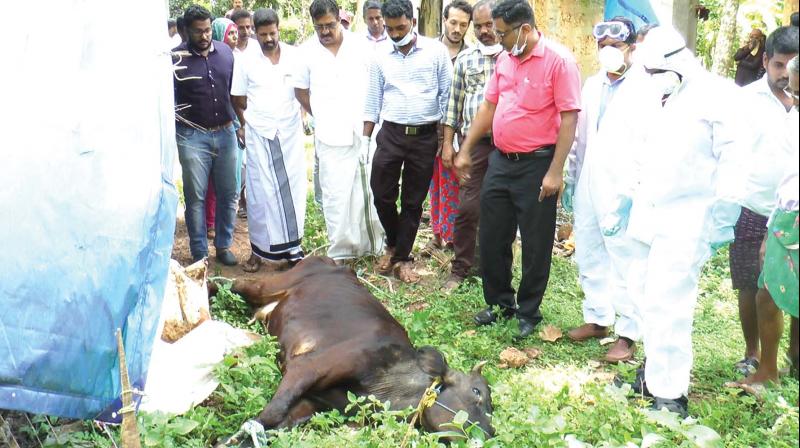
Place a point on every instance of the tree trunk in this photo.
(430, 17)
(722, 58)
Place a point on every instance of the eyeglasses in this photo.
(326, 27)
(196, 32)
(614, 30)
(502, 35)
(791, 93)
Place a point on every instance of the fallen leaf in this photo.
(606, 341)
(564, 232)
(594, 364)
(424, 272)
(551, 333)
(502, 365)
(532, 352)
(513, 357)
(469, 333)
(417, 306)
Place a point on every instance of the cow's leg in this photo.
(317, 371)
(300, 413)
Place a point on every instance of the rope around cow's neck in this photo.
(429, 398)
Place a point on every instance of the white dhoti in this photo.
(276, 193)
(350, 217)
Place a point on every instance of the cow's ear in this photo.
(431, 361)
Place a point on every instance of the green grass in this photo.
(562, 398)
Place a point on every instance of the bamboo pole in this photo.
(130, 432)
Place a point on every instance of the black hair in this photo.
(642, 33)
(784, 40)
(240, 14)
(460, 5)
(481, 3)
(370, 4)
(794, 19)
(631, 28)
(514, 12)
(320, 8)
(180, 23)
(171, 23)
(395, 9)
(265, 17)
(195, 13)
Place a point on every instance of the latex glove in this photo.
(365, 142)
(617, 220)
(566, 197)
(724, 215)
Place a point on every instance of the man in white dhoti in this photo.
(263, 98)
(330, 82)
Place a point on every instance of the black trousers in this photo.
(410, 158)
(465, 228)
(510, 199)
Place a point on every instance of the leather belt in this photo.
(219, 128)
(415, 130)
(539, 153)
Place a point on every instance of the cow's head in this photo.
(458, 392)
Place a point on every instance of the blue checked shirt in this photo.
(472, 71)
(409, 89)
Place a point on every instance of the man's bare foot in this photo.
(404, 271)
(385, 264)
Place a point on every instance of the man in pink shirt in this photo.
(531, 106)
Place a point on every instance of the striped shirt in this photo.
(409, 89)
(472, 70)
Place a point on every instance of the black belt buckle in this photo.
(412, 130)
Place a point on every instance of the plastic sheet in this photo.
(639, 11)
(88, 202)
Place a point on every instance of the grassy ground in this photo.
(562, 398)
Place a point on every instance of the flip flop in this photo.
(746, 366)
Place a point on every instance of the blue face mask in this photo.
(405, 40)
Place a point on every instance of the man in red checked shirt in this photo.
(531, 106)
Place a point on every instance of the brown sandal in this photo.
(385, 264)
(404, 271)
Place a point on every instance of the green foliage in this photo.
(562, 399)
(285, 8)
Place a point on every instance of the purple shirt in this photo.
(207, 92)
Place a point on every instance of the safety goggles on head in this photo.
(614, 30)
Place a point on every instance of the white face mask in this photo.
(612, 60)
(490, 51)
(516, 50)
(667, 82)
(405, 40)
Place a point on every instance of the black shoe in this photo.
(526, 328)
(488, 316)
(679, 406)
(638, 386)
(226, 257)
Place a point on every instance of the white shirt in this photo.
(767, 151)
(252, 46)
(271, 105)
(337, 87)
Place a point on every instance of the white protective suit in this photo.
(602, 162)
(686, 176)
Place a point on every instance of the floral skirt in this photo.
(444, 201)
(780, 275)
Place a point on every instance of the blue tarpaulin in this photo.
(639, 11)
(88, 202)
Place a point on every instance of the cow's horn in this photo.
(479, 367)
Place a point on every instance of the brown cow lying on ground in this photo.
(336, 337)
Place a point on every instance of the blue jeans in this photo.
(203, 154)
